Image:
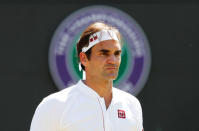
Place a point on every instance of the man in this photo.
(92, 104)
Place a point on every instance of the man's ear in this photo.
(83, 59)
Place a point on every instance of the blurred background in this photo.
(169, 99)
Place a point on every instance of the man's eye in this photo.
(117, 54)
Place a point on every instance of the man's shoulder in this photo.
(62, 95)
(59, 98)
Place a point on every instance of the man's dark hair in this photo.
(90, 30)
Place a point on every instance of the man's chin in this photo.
(111, 76)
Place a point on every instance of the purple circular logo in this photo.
(136, 58)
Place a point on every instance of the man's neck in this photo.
(102, 87)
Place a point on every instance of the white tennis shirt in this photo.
(80, 108)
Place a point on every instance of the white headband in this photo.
(99, 37)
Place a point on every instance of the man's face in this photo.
(105, 60)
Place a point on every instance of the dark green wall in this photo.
(170, 96)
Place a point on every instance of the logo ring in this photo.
(138, 60)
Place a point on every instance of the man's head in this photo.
(99, 51)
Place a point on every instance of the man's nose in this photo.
(112, 59)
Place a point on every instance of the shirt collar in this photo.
(90, 92)
(87, 90)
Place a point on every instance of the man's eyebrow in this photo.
(104, 51)
(107, 51)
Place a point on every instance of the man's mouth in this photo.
(111, 68)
